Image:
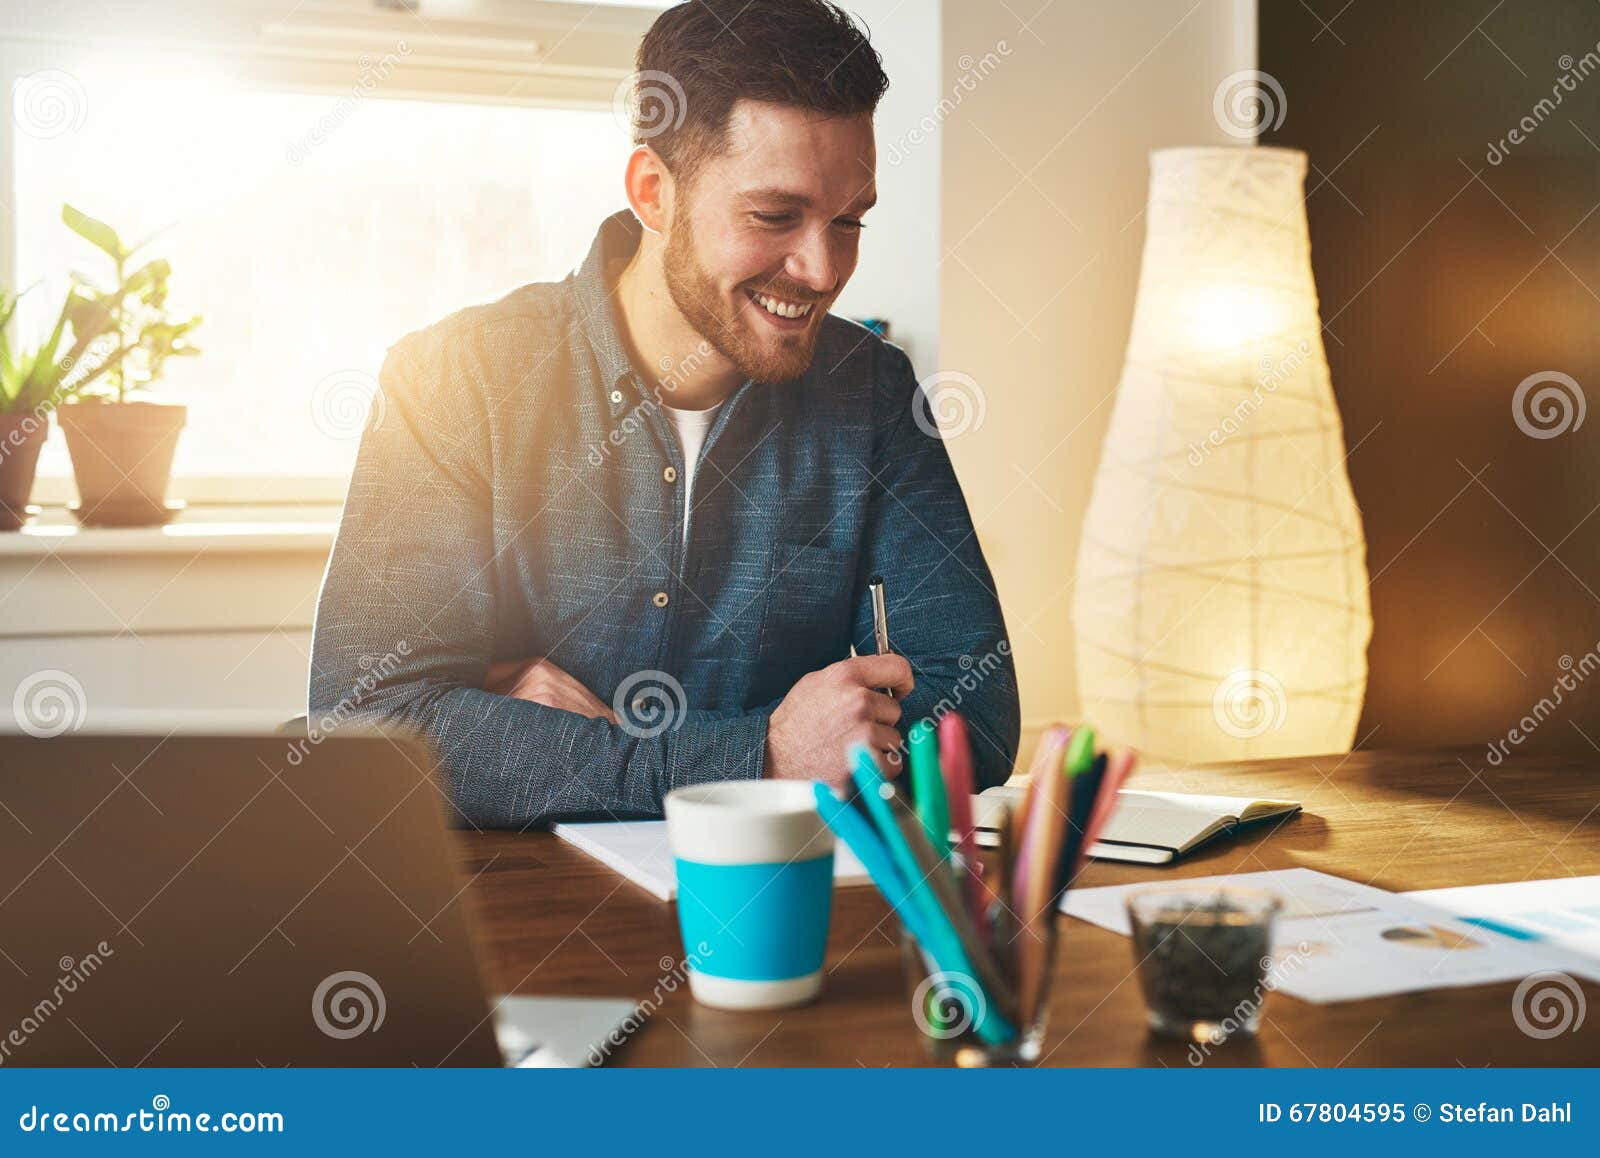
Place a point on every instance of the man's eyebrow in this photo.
(775, 196)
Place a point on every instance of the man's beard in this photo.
(695, 294)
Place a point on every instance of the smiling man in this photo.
(612, 536)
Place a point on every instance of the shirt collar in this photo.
(617, 237)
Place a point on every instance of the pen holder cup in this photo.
(950, 1009)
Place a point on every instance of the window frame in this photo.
(590, 55)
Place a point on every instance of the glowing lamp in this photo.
(1221, 606)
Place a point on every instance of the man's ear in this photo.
(650, 188)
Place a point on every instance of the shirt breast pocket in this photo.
(809, 609)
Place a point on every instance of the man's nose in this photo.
(813, 263)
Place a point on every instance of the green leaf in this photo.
(96, 233)
(150, 278)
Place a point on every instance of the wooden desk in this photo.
(557, 922)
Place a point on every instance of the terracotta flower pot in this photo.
(122, 460)
(21, 436)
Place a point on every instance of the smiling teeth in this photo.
(781, 308)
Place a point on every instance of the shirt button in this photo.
(616, 396)
(659, 599)
(670, 474)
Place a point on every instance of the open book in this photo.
(1150, 827)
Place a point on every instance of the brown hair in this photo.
(700, 58)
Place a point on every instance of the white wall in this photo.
(898, 275)
(1044, 177)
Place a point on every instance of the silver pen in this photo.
(880, 621)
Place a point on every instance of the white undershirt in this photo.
(692, 427)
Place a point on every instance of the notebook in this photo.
(638, 850)
(1152, 827)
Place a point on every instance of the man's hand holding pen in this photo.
(828, 710)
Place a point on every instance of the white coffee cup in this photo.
(755, 890)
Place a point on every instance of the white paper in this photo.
(1337, 940)
(638, 849)
(1561, 914)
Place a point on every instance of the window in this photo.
(311, 230)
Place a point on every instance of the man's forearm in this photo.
(512, 763)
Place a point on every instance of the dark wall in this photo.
(1453, 263)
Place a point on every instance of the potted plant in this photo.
(35, 382)
(120, 439)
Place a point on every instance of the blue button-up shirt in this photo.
(519, 492)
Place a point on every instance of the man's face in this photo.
(766, 237)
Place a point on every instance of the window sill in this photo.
(201, 529)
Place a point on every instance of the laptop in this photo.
(189, 899)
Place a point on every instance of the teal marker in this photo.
(939, 936)
(927, 786)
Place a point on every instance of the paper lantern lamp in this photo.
(1221, 607)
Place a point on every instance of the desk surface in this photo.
(557, 922)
